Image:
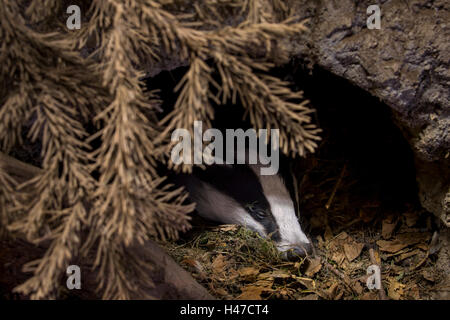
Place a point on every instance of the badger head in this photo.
(284, 227)
(239, 194)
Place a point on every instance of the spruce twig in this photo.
(99, 134)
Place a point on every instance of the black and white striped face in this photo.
(238, 194)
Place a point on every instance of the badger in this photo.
(239, 194)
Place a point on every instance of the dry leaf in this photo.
(414, 237)
(218, 264)
(411, 218)
(400, 252)
(342, 236)
(221, 292)
(191, 262)
(266, 283)
(232, 274)
(265, 276)
(320, 242)
(280, 274)
(308, 283)
(227, 227)
(313, 267)
(391, 246)
(352, 251)
(322, 294)
(402, 240)
(254, 291)
(428, 275)
(358, 287)
(414, 292)
(338, 257)
(406, 255)
(277, 274)
(251, 292)
(328, 235)
(395, 289)
(331, 291)
(387, 227)
(423, 246)
(339, 294)
(285, 293)
(248, 272)
(195, 265)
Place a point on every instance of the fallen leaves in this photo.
(231, 268)
(195, 266)
(227, 228)
(253, 292)
(428, 275)
(265, 281)
(353, 250)
(391, 246)
(338, 257)
(343, 246)
(410, 218)
(218, 264)
(407, 255)
(308, 283)
(388, 226)
(413, 292)
(248, 273)
(402, 241)
(395, 289)
(314, 266)
(277, 274)
(414, 237)
(333, 292)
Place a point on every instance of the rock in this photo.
(405, 64)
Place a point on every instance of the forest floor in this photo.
(350, 232)
(351, 226)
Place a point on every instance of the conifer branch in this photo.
(98, 131)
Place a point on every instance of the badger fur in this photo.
(240, 194)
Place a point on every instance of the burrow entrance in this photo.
(356, 194)
(359, 134)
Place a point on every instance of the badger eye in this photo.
(261, 214)
(251, 207)
(256, 211)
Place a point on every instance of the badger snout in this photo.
(296, 252)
